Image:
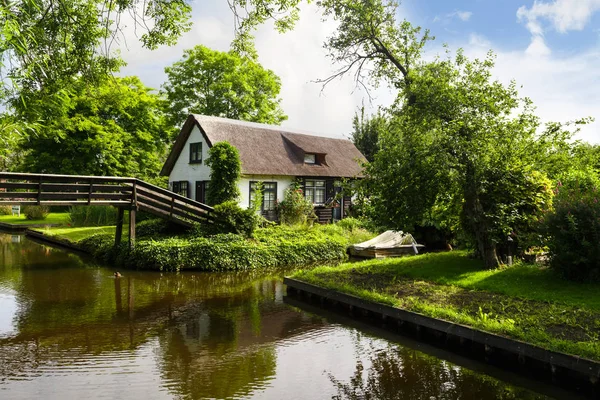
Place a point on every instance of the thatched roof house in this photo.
(268, 153)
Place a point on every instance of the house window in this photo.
(314, 190)
(269, 195)
(181, 187)
(195, 153)
(310, 158)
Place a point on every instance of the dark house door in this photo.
(338, 206)
(201, 191)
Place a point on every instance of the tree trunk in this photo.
(476, 222)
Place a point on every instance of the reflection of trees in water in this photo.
(396, 372)
(226, 347)
(213, 372)
(215, 332)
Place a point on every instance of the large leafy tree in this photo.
(222, 84)
(366, 131)
(459, 148)
(113, 128)
(44, 42)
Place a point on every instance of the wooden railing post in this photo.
(39, 196)
(134, 194)
(172, 205)
(119, 231)
(90, 192)
(132, 212)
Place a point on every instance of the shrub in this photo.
(231, 218)
(351, 224)
(225, 172)
(573, 232)
(295, 209)
(36, 212)
(154, 227)
(5, 210)
(272, 248)
(92, 215)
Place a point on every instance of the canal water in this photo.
(70, 330)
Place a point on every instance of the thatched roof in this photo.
(271, 150)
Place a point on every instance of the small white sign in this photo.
(16, 210)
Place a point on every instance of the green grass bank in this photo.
(51, 219)
(272, 247)
(523, 302)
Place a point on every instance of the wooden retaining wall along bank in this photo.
(124, 193)
(565, 370)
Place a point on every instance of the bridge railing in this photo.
(73, 190)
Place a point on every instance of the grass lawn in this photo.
(77, 234)
(524, 301)
(52, 218)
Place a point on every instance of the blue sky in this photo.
(550, 47)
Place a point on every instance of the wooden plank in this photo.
(64, 178)
(65, 187)
(64, 196)
(168, 193)
(162, 214)
(18, 202)
(169, 201)
(166, 209)
(18, 195)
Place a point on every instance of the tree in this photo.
(462, 142)
(367, 130)
(115, 128)
(222, 84)
(45, 43)
(225, 173)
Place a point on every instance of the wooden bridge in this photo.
(124, 193)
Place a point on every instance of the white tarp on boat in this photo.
(389, 240)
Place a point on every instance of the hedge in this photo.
(223, 252)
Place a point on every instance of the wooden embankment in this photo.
(124, 193)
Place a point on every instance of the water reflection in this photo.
(394, 372)
(69, 329)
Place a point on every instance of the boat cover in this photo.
(389, 240)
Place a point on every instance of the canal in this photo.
(70, 330)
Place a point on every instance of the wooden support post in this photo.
(119, 231)
(90, 192)
(39, 196)
(132, 213)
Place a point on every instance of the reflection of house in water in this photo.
(219, 351)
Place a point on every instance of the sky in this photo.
(551, 48)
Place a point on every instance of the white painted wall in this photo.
(184, 171)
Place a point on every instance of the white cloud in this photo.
(478, 40)
(462, 15)
(297, 57)
(563, 88)
(564, 15)
(537, 47)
